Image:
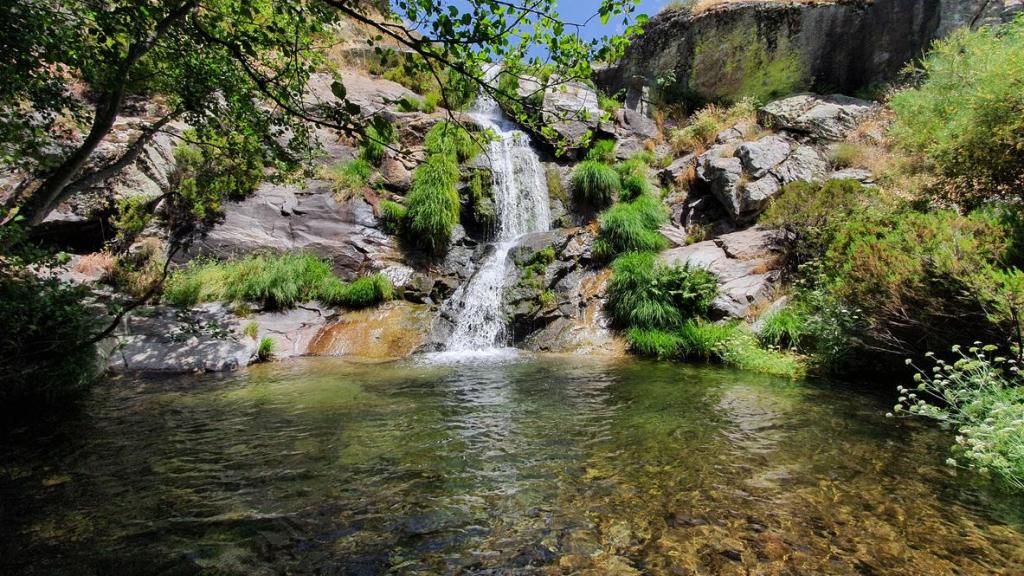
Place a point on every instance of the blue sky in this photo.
(580, 10)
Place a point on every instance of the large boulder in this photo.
(746, 177)
(288, 218)
(746, 264)
(819, 117)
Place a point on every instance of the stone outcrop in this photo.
(556, 294)
(818, 117)
(746, 264)
(768, 49)
(287, 218)
(745, 177)
(571, 110)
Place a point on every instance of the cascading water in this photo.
(521, 198)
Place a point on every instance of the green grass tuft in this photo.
(275, 281)
(392, 216)
(633, 227)
(595, 183)
(348, 178)
(433, 203)
(266, 349)
(602, 151)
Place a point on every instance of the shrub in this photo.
(967, 116)
(602, 151)
(981, 394)
(607, 103)
(813, 212)
(632, 227)
(595, 183)
(847, 155)
(433, 203)
(705, 124)
(348, 177)
(265, 349)
(276, 281)
(646, 294)
(392, 216)
(44, 330)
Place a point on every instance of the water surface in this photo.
(528, 465)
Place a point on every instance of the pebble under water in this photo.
(510, 465)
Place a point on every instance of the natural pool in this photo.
(522, 465)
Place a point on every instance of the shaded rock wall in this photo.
(770, 49)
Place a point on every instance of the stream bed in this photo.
(508, 464)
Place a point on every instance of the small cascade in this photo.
(521, 198)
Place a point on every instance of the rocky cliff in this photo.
(770, 49)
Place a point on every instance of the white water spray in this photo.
(521, 198)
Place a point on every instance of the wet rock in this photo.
(745, 263)
(392, 330)
(830, 117)
(292, 330)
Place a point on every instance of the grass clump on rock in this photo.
(632, 227)
(595, 183)
(276, 281)
(433, 203)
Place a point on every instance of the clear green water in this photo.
(547, 465)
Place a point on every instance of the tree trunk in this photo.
(52, 192)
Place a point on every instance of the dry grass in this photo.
(101, 264)
(702, 6)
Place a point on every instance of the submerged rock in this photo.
(393, 330)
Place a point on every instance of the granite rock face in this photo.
(571, 110)
(286, 218)
(768, 49)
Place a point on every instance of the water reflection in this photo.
(515, 465)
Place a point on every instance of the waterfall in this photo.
(521, 198)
